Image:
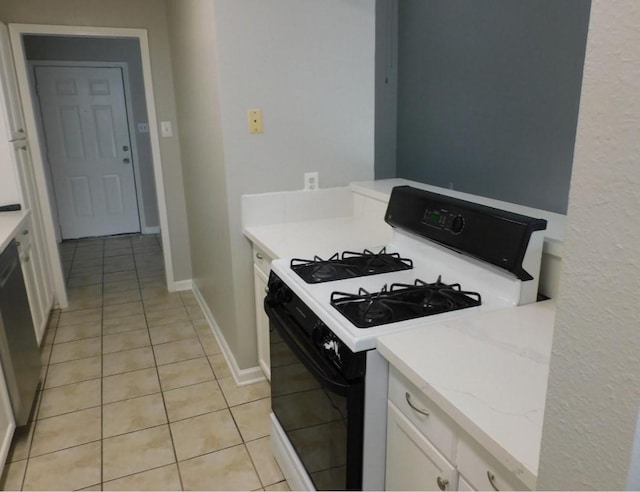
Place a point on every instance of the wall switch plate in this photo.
(166, 129)
(255, 120)
(311, 181)
(143, 128)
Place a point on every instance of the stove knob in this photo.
(318, 333)
(458, 224)
(333, 348)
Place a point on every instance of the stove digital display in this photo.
(444, 220)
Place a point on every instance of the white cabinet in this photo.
(261, 267)
(481, 470)
(12, 114)
(427, 450)
(413, 462)
(32, 268)
(15, 162)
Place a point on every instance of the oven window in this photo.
(323, 423)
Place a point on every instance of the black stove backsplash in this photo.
(489, 234)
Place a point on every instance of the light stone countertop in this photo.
(10, 222)
(489, 374)
(322, 237)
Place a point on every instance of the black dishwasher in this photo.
(19, 351)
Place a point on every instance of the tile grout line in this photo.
(155, 361)
(102, 370)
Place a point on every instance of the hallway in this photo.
(136, 393)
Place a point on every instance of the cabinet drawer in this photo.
(413, 463)
(261, 260)
(481, 470)
(414, 404)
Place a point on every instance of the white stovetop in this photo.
(10, 222)
(489, 373)
(498, 290)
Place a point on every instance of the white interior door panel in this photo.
(89, 149)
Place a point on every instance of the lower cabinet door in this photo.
(413, 463)
(262, 321)
(463, 485)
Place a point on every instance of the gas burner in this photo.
(349, 265)
(402, 302)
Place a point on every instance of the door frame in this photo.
(17, 31)
(124, 66)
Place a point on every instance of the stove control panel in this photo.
(444, 220)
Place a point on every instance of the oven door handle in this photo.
(332, 381)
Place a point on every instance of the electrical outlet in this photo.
(255, 120)
(311, 181)
(166, 129)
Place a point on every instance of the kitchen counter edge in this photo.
(10, 222)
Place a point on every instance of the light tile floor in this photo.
(136, 394)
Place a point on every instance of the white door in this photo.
(89, 149)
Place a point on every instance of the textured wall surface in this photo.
(594, 381)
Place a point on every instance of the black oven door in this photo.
(319, 410)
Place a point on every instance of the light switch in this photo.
(255, 120)
(166, 129)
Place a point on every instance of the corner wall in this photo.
(594, 379)
(310, 67)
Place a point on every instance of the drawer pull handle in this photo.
(491, 478)
(419, 410)
(259, 256)
(442, 483)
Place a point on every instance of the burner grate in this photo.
(349, 265)
(402, 302)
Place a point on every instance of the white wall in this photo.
(594, 381)
(310, 67)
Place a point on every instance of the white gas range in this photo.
(447, 259)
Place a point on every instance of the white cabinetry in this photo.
(15, 161)
(34, 280)
(12, 113)
(261, 267)
(413, 462)
(426, 450)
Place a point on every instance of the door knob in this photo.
(126, 160)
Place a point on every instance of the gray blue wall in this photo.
(488, 94)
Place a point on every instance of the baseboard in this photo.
(151, 230)
(241, 376)
(182, 285)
